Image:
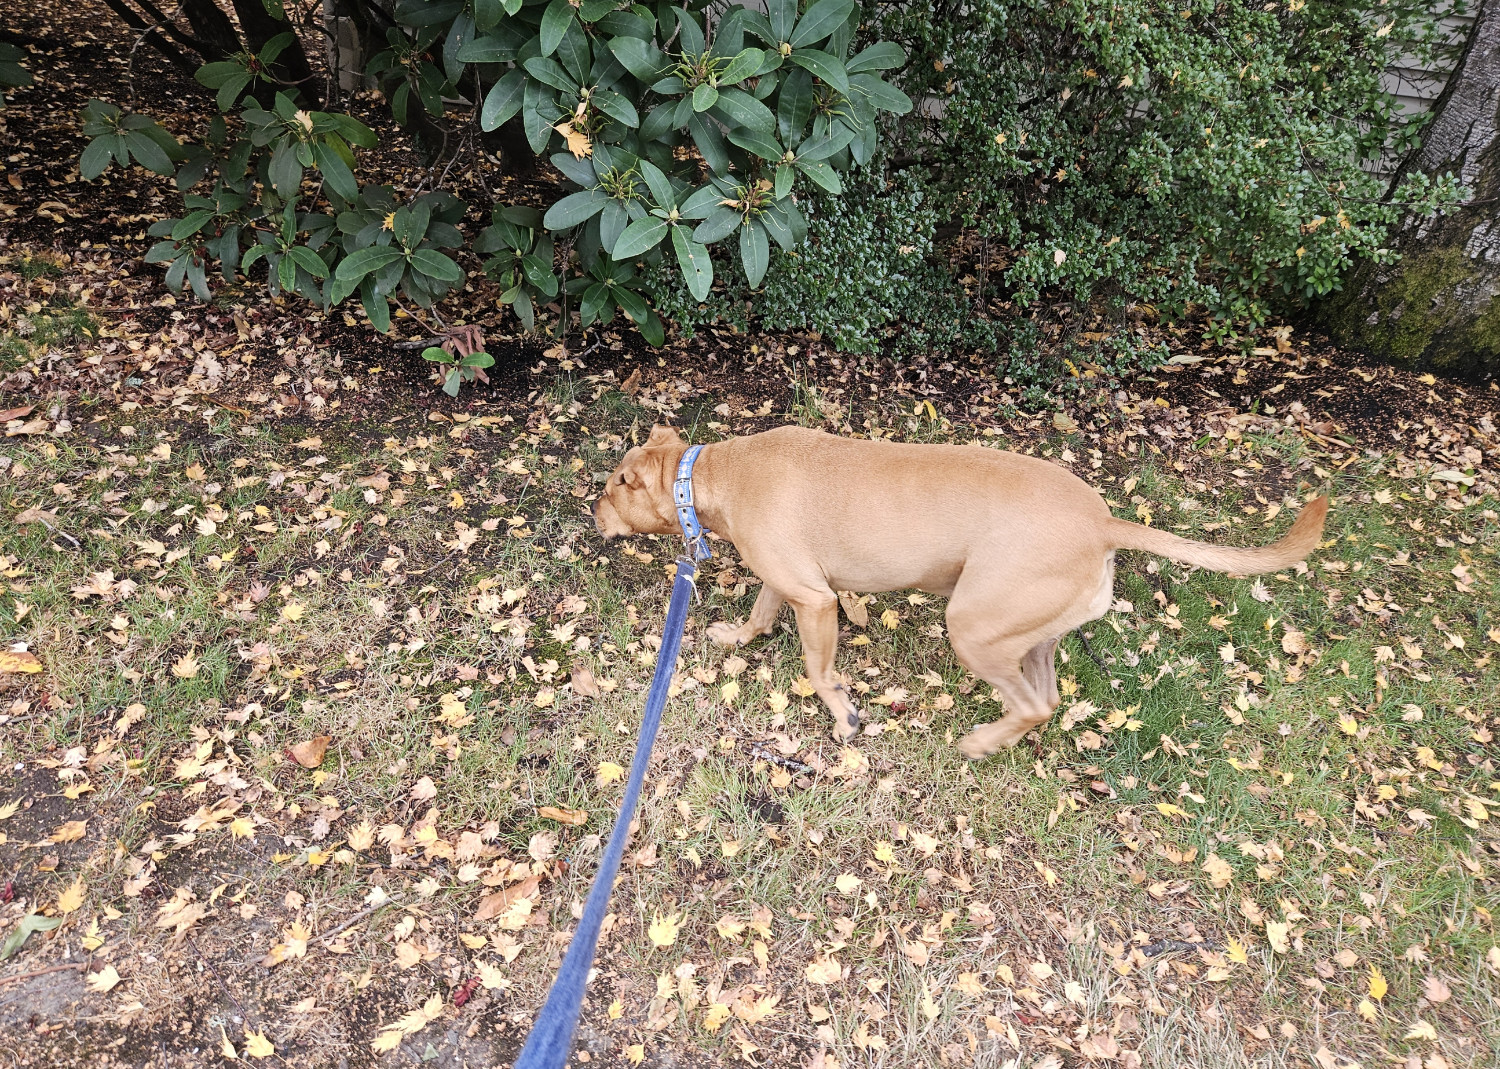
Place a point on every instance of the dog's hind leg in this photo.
(1040, 667)
(762, 620)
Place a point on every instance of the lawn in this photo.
(314, 718)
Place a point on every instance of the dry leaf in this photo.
(663, 930)
(824, 971)
(583, 683)
(71, 899)
(491, 906)
(19, 661)
(564, 816)
(257, 1045)
(309, 754)
(103, 980)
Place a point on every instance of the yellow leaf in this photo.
(387, 1041)
(1421, 1030)
(72, 898)
(636, 1052)
(663, 930)
(890, 619)
(578, 141)
(824, 971)
(1234, 950)
(493, 977)
(257, 1045)
(847, 883)
(1167, 809)
(226, 1048)
(242, 828)
(103, 980)
(186, 666)
(69, 832)
(730, 691)
(616, 1010)
(19, 661)
(608, 773)
(9, 809)
(1347, 724)
(713, 1020)
(1367, 1010)
(1378, 986)
(362, 836)
(1219, 871)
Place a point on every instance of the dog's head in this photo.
(638, 497)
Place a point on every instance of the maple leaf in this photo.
(1276, 935)
(824, 970)
(72, 898)
(663, 930)
(608, 773)
(102, 981)
(1378, 985)
(257, 1045)
(578, 141)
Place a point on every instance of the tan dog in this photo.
(1023, 549)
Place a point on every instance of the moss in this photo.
(1415, 317)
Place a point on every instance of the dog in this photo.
(1023, 549)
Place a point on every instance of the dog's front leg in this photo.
(818, 624)
(762, 620)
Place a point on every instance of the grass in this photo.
(1262, 803)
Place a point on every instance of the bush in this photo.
(1194, 153)
(676, 134)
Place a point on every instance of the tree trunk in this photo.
(213, 28)
(291, 67)
(1437, 305)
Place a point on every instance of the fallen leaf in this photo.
(608, 773)
(583, 683)
(564, 816)
(491, 906)
(309, 754)
(257, 1045)
(71, 899)
(663, 930)
(19, 661)
(1378, 986)
(103, 980)
(824, 970)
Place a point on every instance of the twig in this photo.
(418, 343)
(758, 750)
(215, 970)
(76, 544)
(361, 915)
(1162, 946)
(1089, 649)
(41, 972)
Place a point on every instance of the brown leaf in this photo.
(632, 384)
(584, 684)
(854, 608)
(309, 754)
(564, 816)
(1435, 990)
(491, 906)
(16, 413)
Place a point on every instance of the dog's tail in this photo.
(1295, 545)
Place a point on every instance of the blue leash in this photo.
(551, 1037)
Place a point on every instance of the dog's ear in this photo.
(663, 436)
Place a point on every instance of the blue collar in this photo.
(687, 516)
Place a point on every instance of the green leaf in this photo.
(822, 19)
(616, 107)
(739, 108)
(362, 262)
(881, 56)
(641, 58)
(286, 171)
(309, 261)
(593, 302)
(821, 173)
(705, 96)
(651, 330)
(538, 113)
(633, 303)
(376, 306)
(96, 157)
(784, 178)
(436, 354)
(701, 202)
(795, 106)
(286, 273)
(230, 90)
(742, 66)
(881, 94)
(550, 72)
(499, 48)
(555, 21)
(661, 188)
(755, 253)
(710, 143)
(434, 264)
(697, 268)
(640, 236)
(823, 66)
(575, 208)
(29, 924)
(335, 172)
(612, 223)
(820, 148)
(148, 153)
(720, 224)
(782, 14)
(502, 101)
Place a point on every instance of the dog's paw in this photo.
(846, 724)
(725, 633)
(983, 741)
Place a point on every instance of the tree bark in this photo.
(1437, 305)
(291, 67)
(213, 28)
